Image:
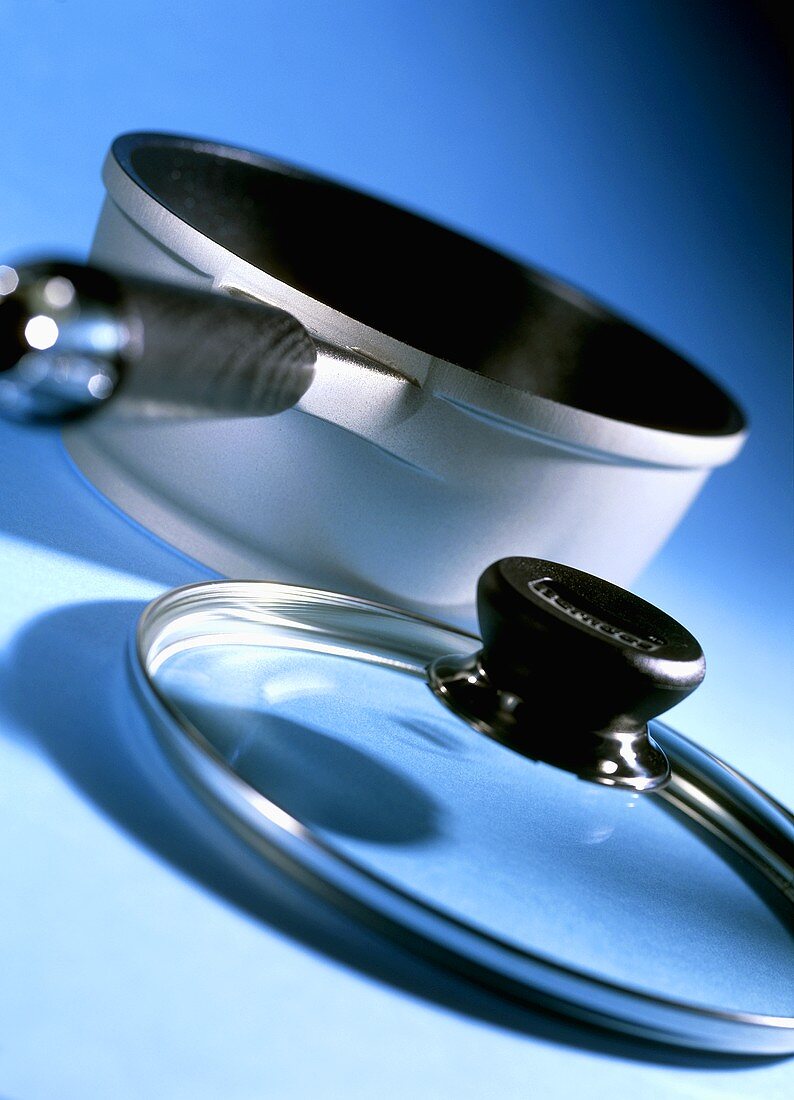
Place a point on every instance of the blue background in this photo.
(639, 150)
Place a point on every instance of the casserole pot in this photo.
(464, 406)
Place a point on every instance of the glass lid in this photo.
(502, 805)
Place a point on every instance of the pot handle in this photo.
(72, 336)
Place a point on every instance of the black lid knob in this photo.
(571, 670)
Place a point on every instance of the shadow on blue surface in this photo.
(316, 778)
(65, 684)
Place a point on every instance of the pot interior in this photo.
(426, 285)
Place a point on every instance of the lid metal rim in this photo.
(577, 427)
(297, 850)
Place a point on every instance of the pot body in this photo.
(400, 474)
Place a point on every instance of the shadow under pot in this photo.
(463, 404)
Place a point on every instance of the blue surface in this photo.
(638, 150)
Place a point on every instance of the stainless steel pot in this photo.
(464, 407)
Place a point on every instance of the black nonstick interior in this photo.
(426, 285)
